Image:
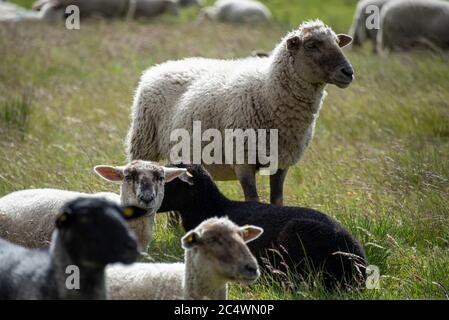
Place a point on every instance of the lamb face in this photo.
(221, 245)
(79, 223)
(315, 53)
(142, 182)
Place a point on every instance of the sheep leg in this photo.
(246, 174)
(277, 187)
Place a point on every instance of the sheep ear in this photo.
(187, 177)
(172, 173)
(109, 173)
(250, 233)
(191, 239)
(344, 40)
(132, 212)
(293, 43)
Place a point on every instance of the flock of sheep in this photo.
(52, 11)
(225, 240)
(403, 24)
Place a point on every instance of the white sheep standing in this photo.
(406, 24)
(247, 11)
(215, 253)
(26, 216)
(359, 30)
(284, 91)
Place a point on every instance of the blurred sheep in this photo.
(406, 24)
(246, 11)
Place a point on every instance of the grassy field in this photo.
(379, 162)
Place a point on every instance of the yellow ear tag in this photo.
(245, 233)
(63, 217)
(189, 174)
(190, 238)
(128, 212)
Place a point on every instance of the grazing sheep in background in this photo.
(117, 8)
(307, 239)
(50, 13)
(411, 23)
(90, 233)
(283, 91)
(359, 31)
(246, 11)
(260, 53)
(215, 253)
(189, 2)
(26, 216)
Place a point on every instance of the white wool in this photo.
(246, 93)
(146, 281)
(10, 12)
(238, 11)
(27, 217)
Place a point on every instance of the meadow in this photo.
(379, 162)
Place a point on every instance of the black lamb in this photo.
(308, 240)
(90, 233)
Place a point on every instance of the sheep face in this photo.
(180, 193)
(142, 182)
(220, 245)
(94, 233)
(315, 54)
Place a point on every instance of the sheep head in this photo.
(315, 54)
(220, 246)
(142, 182)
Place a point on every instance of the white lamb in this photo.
(215, 253)
(26, 216)
(248, 11)
(283, 91)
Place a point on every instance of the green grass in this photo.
(379, 162)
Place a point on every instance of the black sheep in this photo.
(90, 233)
(312, 240)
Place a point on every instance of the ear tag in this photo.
(190, 238)
(63, 217)
(245, 233)
(189, 174)
(128, 212)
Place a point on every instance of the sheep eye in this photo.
(214, 240)
(129, 176)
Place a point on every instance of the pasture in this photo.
(379, 162)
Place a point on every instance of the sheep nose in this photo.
(146, 197)
(131, 245)
(250, 268)
(347, 71)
